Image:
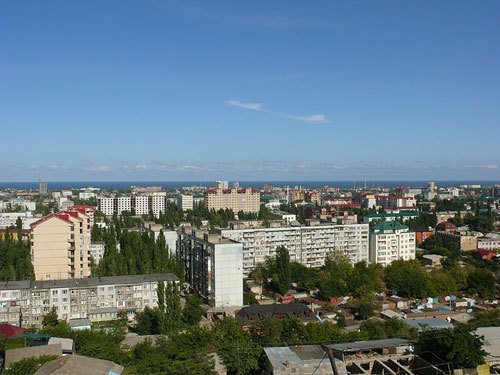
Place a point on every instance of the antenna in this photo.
(354, 183)
(365, 182)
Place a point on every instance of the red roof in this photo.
(63, 215)
(79, 206)
(8, 330)
(484, 251)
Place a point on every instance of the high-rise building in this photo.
(60, 245)
(390, 241)
(246, 200)
(185, 202)
(42, 187)
(221, 184)
(214, 267)
(308, 245)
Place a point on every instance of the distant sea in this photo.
(58, 185)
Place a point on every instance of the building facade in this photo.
(390, 241)
(185, 202)
(308, 245)
(246, 200)
(75, 299)
(214, 267)
(60, 245)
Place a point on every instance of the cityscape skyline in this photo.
(250, 91)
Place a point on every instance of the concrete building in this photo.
(60, 245)
(96, 249)
(214, 267)
(390, 217)
(308, 245)
(466, 241)
(75, 299)
(42, 187)
(185, 202)
(390, 241)
(246, 200)
(158, 203)
(221, 185)
(299, 360)
(140, 204)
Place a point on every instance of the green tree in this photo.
(50, 319)
(481, 282)
(28, 366)
(192, 312)
(459, 345)
(283, 269)
(408, 279)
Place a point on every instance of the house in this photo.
(79, 365)
(15, 355)
(432, 260)
(484, 254)
(431, 314)
(421, 233)
(9, 330)
(432, 323)
(67, 345)
(491, 344)
(286, 311)
(79, 324)
(302, 359)
(446, 227)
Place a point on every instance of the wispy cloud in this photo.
(311, 118)
(251, 106)
(101, 168)
(320, 118)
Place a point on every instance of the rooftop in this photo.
(389, 226)
(374, 344)
(296, 355)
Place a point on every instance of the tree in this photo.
(173, 312)
(283, 269)
(192, 312)
(459, 345)
(481, 282)
(408, 279)
(364, 309)
(50, 319)
(239, 352)
(28, 366)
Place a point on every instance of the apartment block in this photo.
(60, 245)
(246, 200)
(76, 299)
(390, 241)
(308, 245)
(137, 204)
(214, 267)
(185, 202)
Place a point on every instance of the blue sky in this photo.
(187, 90)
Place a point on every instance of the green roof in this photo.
(389, 225)
(401, 214)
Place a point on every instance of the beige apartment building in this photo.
(60, 245)
(246, 200)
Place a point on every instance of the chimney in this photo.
(287, 363)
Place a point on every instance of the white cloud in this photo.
(259, 107)
(492, 166)
(311, 118)
(102, 168)
(251, 106)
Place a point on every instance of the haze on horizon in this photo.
(150, 90)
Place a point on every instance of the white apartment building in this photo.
(185, 202)
(75, 299)
(158, 203)
(308, 245)
(390, 241)
(214, 267)
(123, 204)
(138, 204)
(96, 249)
(221, 184)
(246, 200)
(141, 206)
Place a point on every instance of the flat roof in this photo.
(89, 282)
(296, 355)
(374, 344)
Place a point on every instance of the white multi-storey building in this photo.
(308, 245)
(390, 241)
(141, 206)
(106, 205)
(214, 267)
(246, 200)
(185, 202)
(158, 203)
(221, 184)
(124, 204)
(75, 299)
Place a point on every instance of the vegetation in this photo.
(15, 258)
(28, 366)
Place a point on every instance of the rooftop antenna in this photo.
(365, 182)
(354, 183)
